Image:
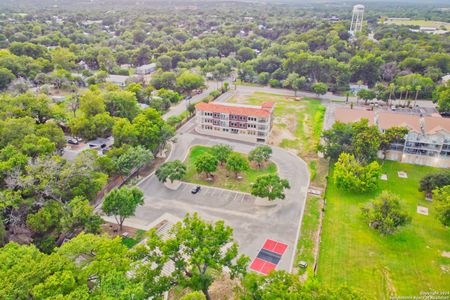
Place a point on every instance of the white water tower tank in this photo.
(357, 18)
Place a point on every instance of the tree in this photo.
(260, 154)
(122, 104)
(284, 285)
(206, 163)
(295, 82)
(169, 95)
(189, 81)
(92, 103)
(392, 135)
(133, 159)
(63, 57)
(165, 62)
(172, 170)
(433, 181)
(319, 88)
(366, 141)
(197, 248)
(337, 139)
(245, 53)
(350, 175)
(366, 95)
(166, 80)
(385, 213)
(221, 152)
(270, 186)
(27, 273)
(236, 163)
(441, 197)
(122, 203)
(441, 95)
(6, 77)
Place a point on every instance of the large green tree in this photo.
(121, 203)
(172, 170)
(198, 249)
(221, 152)
(188, 81)
(350, 175)
(260, 154)
(206, 163)
(236, 163)
(270, 186)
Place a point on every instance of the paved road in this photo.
(181, 107)
(325, 98)
(252, 224)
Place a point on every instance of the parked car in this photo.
(72, 141)
(196, 189)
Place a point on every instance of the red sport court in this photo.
(268, 257)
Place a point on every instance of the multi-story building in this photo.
(427, 142)
(247, 123)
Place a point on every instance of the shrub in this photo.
(385, 213)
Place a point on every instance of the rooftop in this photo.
(387, 120)
(237, 109)
(431, 124)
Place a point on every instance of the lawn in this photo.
(130, 242)
(404, 264)
(222, 177)
(310, 222)
(424, 23)
(297, 124)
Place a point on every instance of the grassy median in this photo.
(222, 177)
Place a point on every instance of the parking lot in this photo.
(252, 222)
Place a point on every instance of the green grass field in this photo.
(424, 23)
(297, 124)
(310, 222)
(404, 264)
(223, 178)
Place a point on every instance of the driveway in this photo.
(252, 224)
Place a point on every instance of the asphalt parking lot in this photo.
(252, 223)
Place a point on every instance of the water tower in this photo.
(357, 19)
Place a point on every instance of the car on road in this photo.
(196, 189)
(72, 141)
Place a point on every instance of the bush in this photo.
(433, 181)
(274, 83)
(385, 213)
(350, 175)
(215, 94)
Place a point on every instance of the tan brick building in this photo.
(248, 123)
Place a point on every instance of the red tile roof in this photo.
(234, 109)
(435, 124)
(387, 120)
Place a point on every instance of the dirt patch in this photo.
(306, 126)
(223, 288)
(113, 230)
(446, 254)
(279, 134)
(390, 288)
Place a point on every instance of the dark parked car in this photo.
(196, 189)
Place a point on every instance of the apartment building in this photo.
(427, 142)
(246, 123)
